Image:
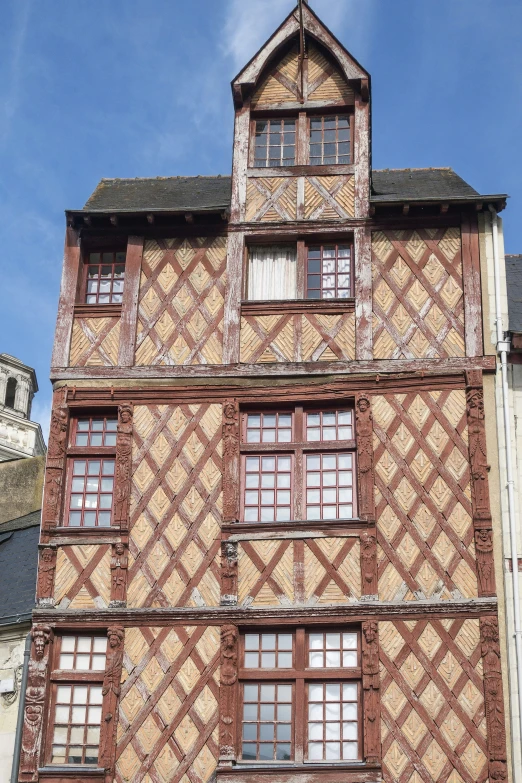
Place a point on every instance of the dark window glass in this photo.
(329, 140)
(274, 143)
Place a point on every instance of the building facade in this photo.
(19, 436)
(267, 539)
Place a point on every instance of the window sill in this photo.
(63, 773)
(97, 310)
(340, 169)
(65, 531)
(355, 772)
(295, 306)
(308, 526)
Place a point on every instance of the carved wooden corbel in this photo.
(371, 687)
(228, 573)
(123, 472)
(111, 691)
(364, 434)
(479, 468)
(46, 574)
(230, 461)
(55, 466)
(35, 703)
(368, 542)
(228, 695)
(119, 567)
(493, 698)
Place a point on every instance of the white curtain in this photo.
(272, 272)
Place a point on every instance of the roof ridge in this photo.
(174, 176)
(425, 168)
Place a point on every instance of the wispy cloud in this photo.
(12, 97)
(250, 22)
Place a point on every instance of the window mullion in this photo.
(300, 717)
(298, 484)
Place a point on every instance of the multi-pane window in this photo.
(329, 272)
(91, 493)
(274, 143)
(330, 140)
(309, 471)
(76, 710)
(288, 673)
(268, 488)
(96, 431)
(105, 276)
(91, 471)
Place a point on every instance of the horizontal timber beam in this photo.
(219, 615)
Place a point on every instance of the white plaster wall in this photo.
(12, 643)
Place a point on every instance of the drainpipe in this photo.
(503, 347)
(21, 710)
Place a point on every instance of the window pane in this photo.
(330, 736)
(111, 273)
(272, 272)
(266, 505)
(335, 280)
(269, 737)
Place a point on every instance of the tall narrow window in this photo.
(105, 278)
(90, 472)
(10, 393)
(272, 272)
(319, 670)
(76, 699)
(329, 272)
(275, 143)
(309, 474)
(330, 140)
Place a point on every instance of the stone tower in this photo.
(19, 436)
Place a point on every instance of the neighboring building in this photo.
(19, 436)
(22, 465)
(18, 562)
(267, 539)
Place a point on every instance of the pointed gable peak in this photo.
(315, 30)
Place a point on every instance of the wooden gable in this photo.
(323, 80)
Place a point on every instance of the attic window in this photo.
(275, 143)
(104, 278)
(330, 140)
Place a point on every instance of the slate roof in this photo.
(186, 194)
(172, 194)
(415, 184)
(514, 292)
(18, 562)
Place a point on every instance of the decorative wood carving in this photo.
(479, 468)
(35, 699)
(46, 573)
(230, 461)
(493, 698)
(55, 466)
(123, 466)
(229, 573)
(119, 566)
(111, 691)
(369, 563)
(228, 695)
(371, 686)
(366, 479)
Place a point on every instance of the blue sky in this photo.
(125, 88)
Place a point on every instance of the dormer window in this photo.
(305, 140)
(275, 143)
(105, 274)
(330, 140)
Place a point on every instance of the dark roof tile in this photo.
(514, 292)
(18, 561)
(161, 193)
(404, 184)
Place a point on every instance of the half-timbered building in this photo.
(267, 536)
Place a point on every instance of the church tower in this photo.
(19, 436)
